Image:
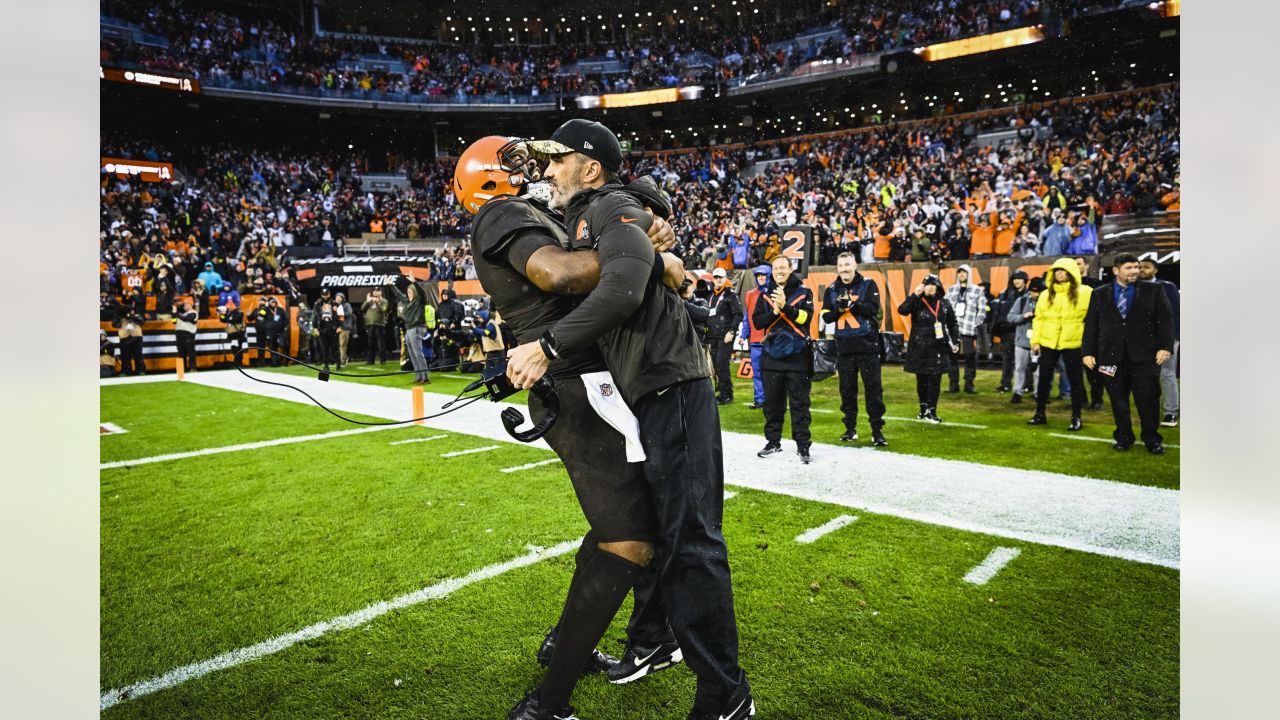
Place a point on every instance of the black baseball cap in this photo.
(582, 136)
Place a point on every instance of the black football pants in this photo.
(721, 354)
(783, 388)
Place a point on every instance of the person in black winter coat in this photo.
(934, 337)
(784, 315)
(725, 317)
(327, 323)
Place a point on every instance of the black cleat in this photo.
(1075, 425)
(768, 450)
(931, 416)
(1017, 398)
(1121, 447)
(1037, 419)
(804, 455)
(724, 401)
(849, 436)
(877, 439)
(740, 706)
(597, 663)
(968, 388)
(1094, 406)
(755, 406)
(1169, 420)
(924, 410)
(640, 661)
(1157, 449)
(530, 709)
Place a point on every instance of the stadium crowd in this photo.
(212, 45)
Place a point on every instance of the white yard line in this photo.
(945, 423)
(136, 379)
(242, 446)
(1104, 517)
(344, 622)
(530, 466)
(988, 568)
(416, 440)
(808, 536)
(1093, 439)
(729, 494)
(472, 451)
(112, 429)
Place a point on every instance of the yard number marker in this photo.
(988, 568)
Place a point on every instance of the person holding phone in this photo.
(934, 338)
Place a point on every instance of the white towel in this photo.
(605, 399)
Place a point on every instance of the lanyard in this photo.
(937, 306)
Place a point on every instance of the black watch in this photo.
(550, 347)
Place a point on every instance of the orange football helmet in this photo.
(492, 166)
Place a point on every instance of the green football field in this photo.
(221, 573)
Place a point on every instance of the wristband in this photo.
(549, 345)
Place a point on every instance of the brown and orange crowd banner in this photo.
(160, 339)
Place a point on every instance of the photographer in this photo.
(851, 305)
(307, 333)
(934, 337)
(375, 326)
(271, 331)
(106, 357)
(185, 328)
(449, 315)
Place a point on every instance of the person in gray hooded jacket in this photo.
(1020, 316)
(969, 301)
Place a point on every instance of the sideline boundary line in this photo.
(360, 617)
(242, 446)
(812, 534)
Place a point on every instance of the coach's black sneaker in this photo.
(1094, 407)
(1038, 419)
(1075, 425)
(769, 449)
(877, 439)
(1121, 447)
(598, 662)
(1169, 420)
(924, 410)
(1017, 398)
(968, 388)
(803, 452)
(1157, 449)
(849, 436)
(931, 416)
(740, 706)
(530, 709)
(640, 661)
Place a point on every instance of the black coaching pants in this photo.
(1075, 375)
(721, 354)
(1143, 381)
(680, 429)
(783, 388)
(849, 368)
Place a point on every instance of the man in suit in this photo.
(1128, 335)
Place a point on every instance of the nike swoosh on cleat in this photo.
(641, 660)
(735, 711)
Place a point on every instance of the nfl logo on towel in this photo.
(606, 389)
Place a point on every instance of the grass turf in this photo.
(1006, 440)
(205, 555)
